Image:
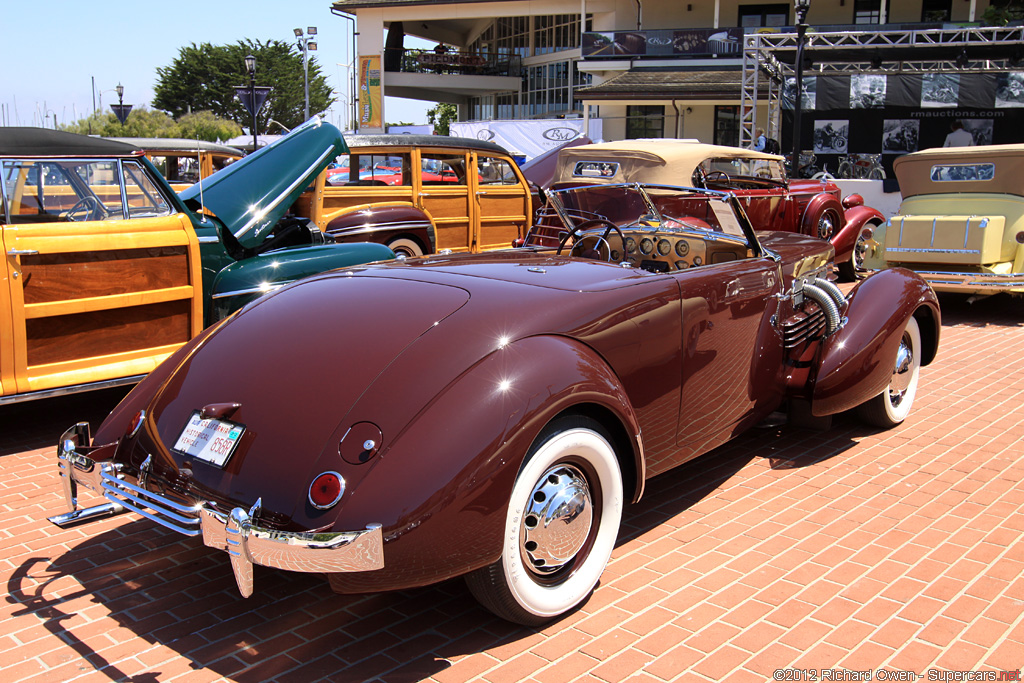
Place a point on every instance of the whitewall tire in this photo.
(560, 528)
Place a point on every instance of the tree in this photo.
(205, 125)
(1002, 12)
(141, 123)
(204, 77)
(146, 123)
(441, 116)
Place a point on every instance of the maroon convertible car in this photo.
(488, 415)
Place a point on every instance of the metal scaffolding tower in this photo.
(956, 50)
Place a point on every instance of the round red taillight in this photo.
(1020, 238)
(326, 490)
(137, 420)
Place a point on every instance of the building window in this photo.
(936, 10)
(869, 11)
(645, 121)
(556, 33)
(727, 125)
(548, 92)
(764, 15)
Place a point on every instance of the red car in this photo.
(771, 200)
(488, 415)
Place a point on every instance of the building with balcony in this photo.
(668, 68)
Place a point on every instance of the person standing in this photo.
(958, 137)
(759, 140)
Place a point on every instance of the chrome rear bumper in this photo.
(235, 532)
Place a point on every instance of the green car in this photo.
(108, 271)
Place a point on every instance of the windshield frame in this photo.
(571, 221)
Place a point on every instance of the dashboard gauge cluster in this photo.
(665, 251)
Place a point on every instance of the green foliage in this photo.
(205, 125)
(203, 78)
(441, 116)
(141, 123)
(1002, 12)
(147, 123)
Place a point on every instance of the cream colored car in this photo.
(961, 223)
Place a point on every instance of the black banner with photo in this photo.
(845, 114)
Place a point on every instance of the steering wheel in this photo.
(593, 223)
(716, 175)
(700, 177)
(88, 206)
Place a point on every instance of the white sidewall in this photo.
(547, 601)
(899, 413)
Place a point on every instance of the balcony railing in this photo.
(452, 62)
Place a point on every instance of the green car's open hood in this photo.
(252, 194)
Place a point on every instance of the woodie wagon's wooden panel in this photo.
(100, 300)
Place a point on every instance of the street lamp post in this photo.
(801, 30)
(121, 110)
(306, 42)
(250, 66)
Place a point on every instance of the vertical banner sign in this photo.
(370, 114)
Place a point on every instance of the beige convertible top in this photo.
(941, 170)
(666, 161)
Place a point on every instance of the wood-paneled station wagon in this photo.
(771, 199)
(421, 194)
(550, 385)
(183, 162)
(107, 271)
(961, 222)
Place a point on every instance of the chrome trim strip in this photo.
(262, 289)
(903, 219)
(988, 279)
(277, 200)
(64, 391)
(909, 250)
(935, 221)
(379, 227)
(209, 239)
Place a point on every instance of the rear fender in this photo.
(440, 488)
(383, 223)
(857, 360)
(857, 217)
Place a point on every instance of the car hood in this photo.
(252, 194)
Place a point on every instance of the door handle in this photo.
(22, 252)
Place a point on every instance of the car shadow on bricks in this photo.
(1000, 310)
(179, 596)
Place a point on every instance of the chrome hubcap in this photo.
(825, 226)
(557, 520)
(901, 374)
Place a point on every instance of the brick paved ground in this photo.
(848, 549)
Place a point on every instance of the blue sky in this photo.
(51, 50)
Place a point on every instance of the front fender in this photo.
(442, 487)
(845, 238)
(818, 205)
(857, 360)
(247, 279)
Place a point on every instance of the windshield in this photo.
(661, 207)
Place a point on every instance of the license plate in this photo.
(209, 440)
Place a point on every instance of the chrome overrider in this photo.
(234, 531)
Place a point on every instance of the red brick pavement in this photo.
(808, 551)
